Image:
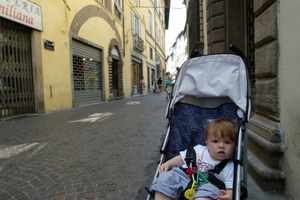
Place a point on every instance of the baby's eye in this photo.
(215, 141)
(228, 142)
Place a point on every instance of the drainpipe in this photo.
(154, 28)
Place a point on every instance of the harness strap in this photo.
(219, 167)
(215, 181)
(238, 162)
(217, 170)
(191, 157)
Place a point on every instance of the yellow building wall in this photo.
(127, 70)
(97, 30)
(57, 17)
(57, 65)
(142, 12)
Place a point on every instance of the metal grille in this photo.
(16, 76)
(87, 75)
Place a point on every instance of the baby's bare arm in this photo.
(174, 162)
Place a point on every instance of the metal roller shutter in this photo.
(87, 74)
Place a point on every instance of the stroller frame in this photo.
(209, 100)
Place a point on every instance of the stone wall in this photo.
(216, 26)
(266, 58)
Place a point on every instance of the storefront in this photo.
(137, 75)
(87, 74)
(17, 21)
(151, 78)
(115, 73)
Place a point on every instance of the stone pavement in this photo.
(107, 151)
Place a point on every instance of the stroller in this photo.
(207, 88)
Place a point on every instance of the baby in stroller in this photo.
(207, 87)
(220, 139)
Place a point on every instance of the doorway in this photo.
(16, 70)
(87, 74)
(137, 77)
(115, 78)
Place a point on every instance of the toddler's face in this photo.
(220, 148)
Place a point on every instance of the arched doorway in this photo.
(115, 73)
(79, 20)
(115, 70)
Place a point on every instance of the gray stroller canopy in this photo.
(221, 75)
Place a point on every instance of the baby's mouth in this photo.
(221, 153)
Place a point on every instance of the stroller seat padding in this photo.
(186, 117)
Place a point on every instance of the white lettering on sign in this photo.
(22, 11)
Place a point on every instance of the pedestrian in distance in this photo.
(169, 87)
(220, 140)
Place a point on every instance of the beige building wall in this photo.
(289, 79)
(95, 23)
(92, 33)
(127, 73)
(56, 65)
(134, 9)
(142, 11)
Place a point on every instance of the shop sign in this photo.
(22, 11)
(49, 45)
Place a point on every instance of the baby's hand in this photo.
(225, 195)
(164, 167)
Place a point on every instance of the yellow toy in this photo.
(189, 193)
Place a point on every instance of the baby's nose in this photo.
(221, 144)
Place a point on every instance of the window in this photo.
(118, 8)
(156, 32)
(158, 39)
(136, 3)
(156, 3)
(119, 4)
(163, 18)
(136, 27)
(150, 22)
(99, 2)
(151, 53)
(161, 15)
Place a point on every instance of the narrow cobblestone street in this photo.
(105, 151)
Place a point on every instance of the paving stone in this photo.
(83, 160)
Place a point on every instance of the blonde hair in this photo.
(221, 128)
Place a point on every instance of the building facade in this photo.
(265, 31)
(56, 55)
(149, 18)
(194, 26)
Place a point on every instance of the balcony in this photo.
(138, 43)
